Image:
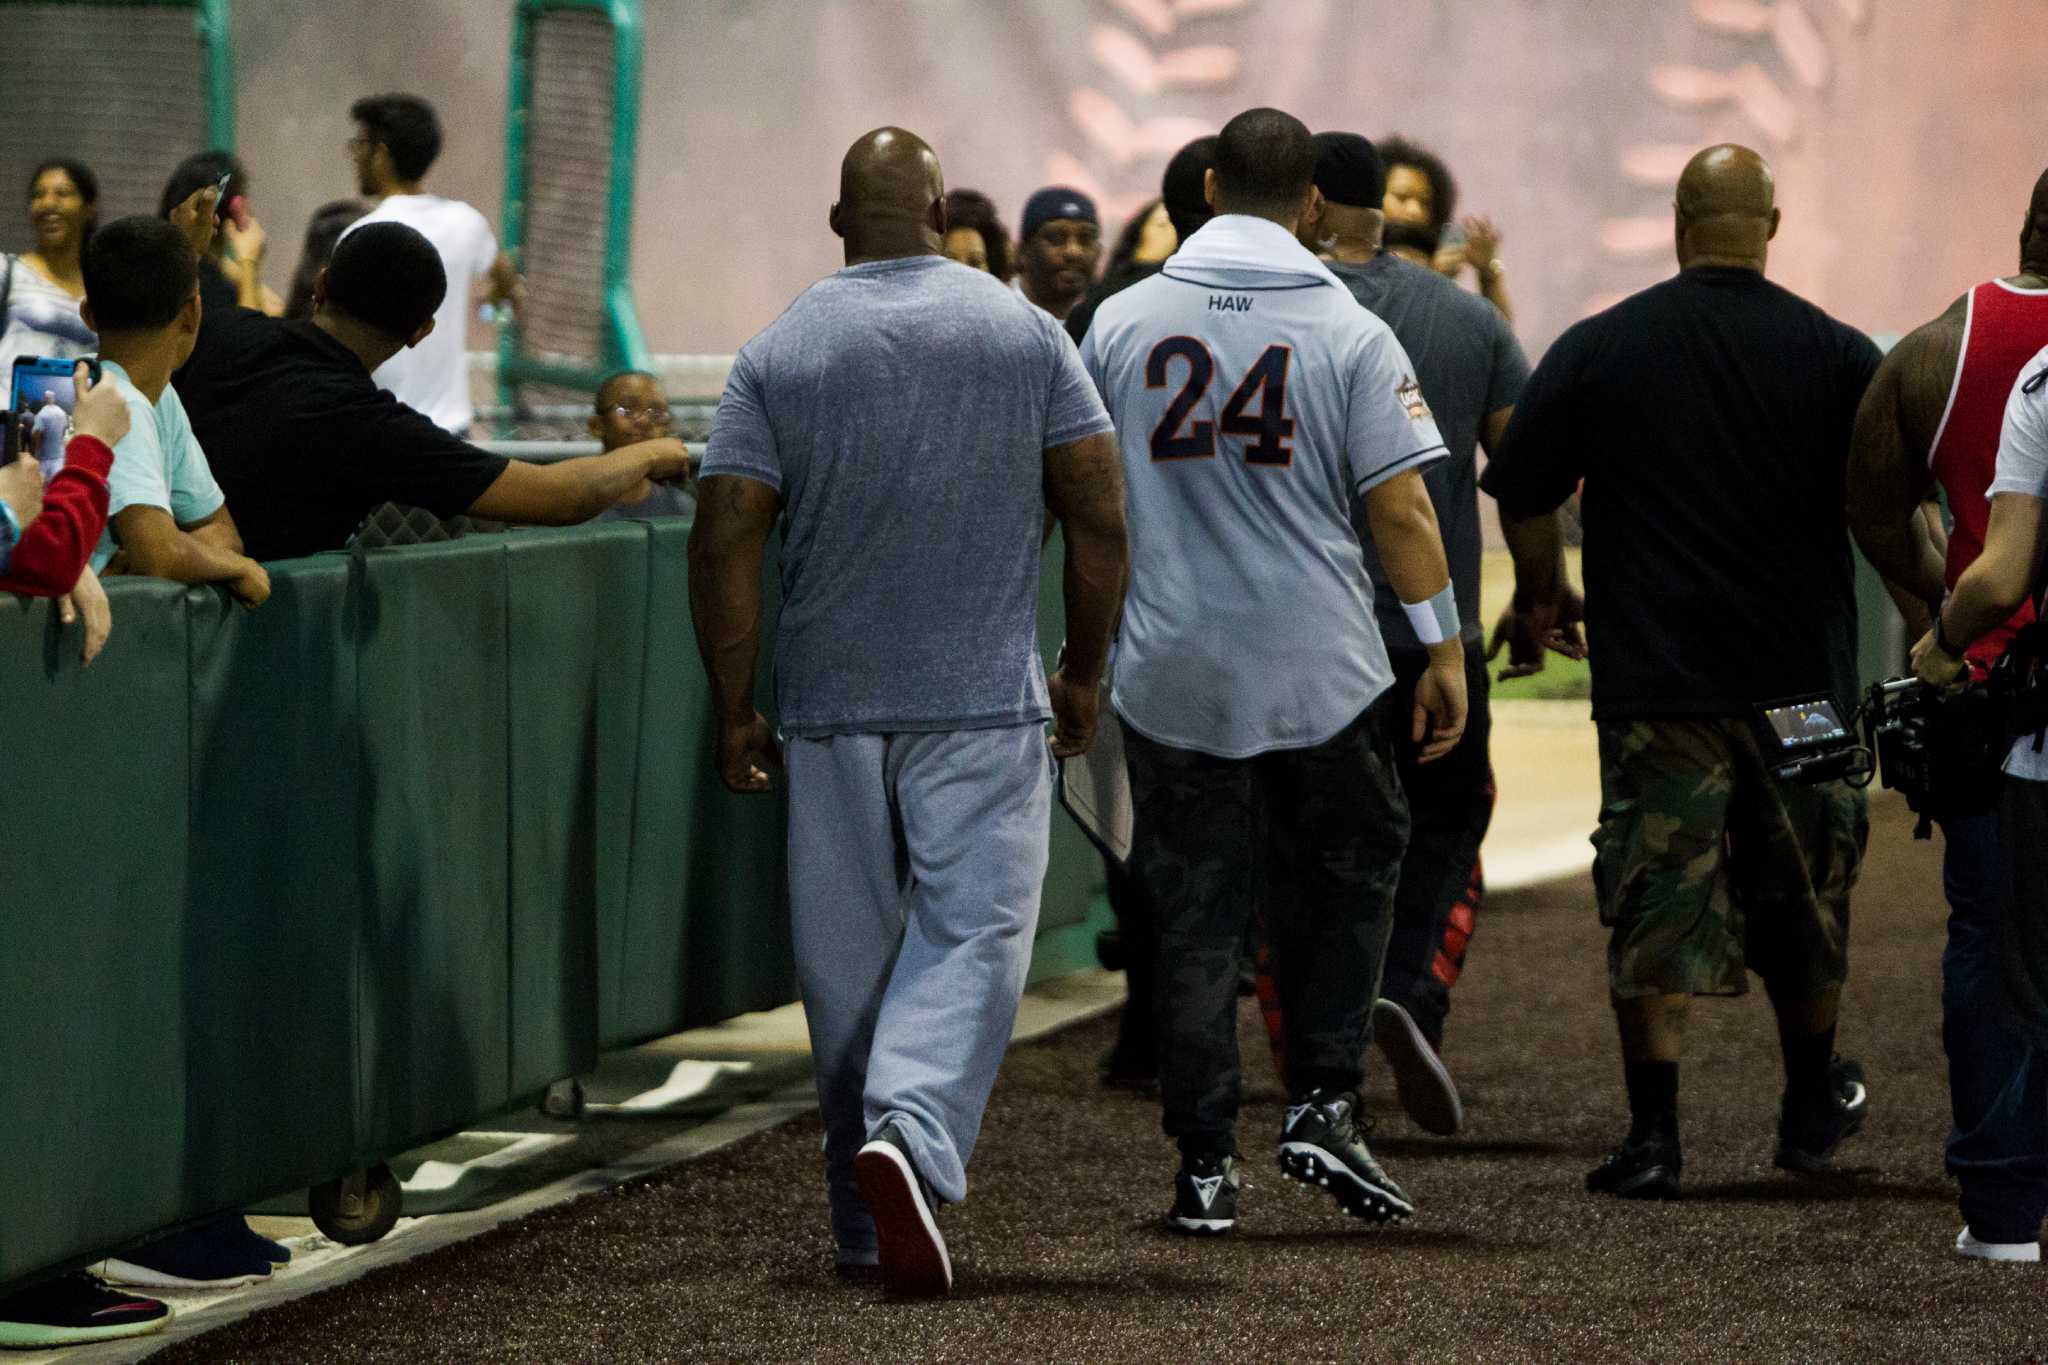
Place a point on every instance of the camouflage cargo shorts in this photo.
(1705, 865)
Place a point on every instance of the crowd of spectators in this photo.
(217, 425)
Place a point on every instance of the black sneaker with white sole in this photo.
(73, 1311)
(1641, 1168)
(1808, 1134)
(1421, 1079)
(1204, 1196)
(1322, 1144)
(912, 1253)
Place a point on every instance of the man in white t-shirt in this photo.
(397, 138)
(2003, 577)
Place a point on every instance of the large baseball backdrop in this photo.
(1906, 133)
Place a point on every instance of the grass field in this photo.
(1562, 679)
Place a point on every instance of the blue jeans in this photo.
(1998, 1084)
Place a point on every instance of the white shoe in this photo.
(1968, 1245)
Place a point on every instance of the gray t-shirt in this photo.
(1469, 365)
(902, 408)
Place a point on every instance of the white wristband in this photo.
(1436, 620)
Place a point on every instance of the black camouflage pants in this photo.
(1314, 837)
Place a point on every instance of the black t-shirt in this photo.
(1115, 281)
(219, 307)
(1709, 417)
(305, 444)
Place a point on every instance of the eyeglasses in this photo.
(626, 414)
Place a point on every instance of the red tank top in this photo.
(2005, 328)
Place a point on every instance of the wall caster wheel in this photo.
(359, 1208)
(564, 1100)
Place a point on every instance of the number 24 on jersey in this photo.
(1268, 430)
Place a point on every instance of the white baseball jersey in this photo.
(1255, 400)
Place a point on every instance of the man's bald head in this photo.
(891, 197)
(1726, 208)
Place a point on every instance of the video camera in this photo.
(1943, 751)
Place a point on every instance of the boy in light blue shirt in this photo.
(167, 518)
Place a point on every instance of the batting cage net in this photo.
(129, 89)
(572, 123)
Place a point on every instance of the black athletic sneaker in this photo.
(74, 1310)
(1204, 1196)
(1641, 1168)
(1808, 1135)
(1321, 1144)
(913, 1254)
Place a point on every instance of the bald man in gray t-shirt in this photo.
(909, 422)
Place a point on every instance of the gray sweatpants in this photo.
(915, 867)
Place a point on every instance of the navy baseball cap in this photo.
(1349, 170)
(1057, 201)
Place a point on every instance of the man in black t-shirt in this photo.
(305, 444)
(1709, 418)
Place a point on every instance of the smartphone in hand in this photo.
(41, 399)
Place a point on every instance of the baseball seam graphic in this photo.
(1784, 27)
(1138, 63)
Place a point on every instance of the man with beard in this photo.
(1059, 250)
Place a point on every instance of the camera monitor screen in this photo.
(42, 399)
(1798, 724)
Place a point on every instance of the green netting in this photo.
(128, 89)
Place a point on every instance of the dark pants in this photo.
(1450, 804)
(1137, 1048)
(1997, 1082)
(1314, 836)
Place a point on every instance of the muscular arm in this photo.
(1411, 547)
(1084, 490)
(1888, 477)
(1535, 544)
(576, 490)
(1410, 544)
(727, 541)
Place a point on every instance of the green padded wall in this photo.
(304, 887)
(273, 953)
(92, 996)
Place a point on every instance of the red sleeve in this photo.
(55, 547)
